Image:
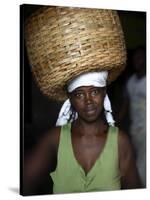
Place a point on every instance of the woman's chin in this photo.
(90, 117)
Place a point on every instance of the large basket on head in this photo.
(64, 42)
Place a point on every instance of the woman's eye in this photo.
(79, 95)
(94, 92)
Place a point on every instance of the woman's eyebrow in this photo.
(78, 90)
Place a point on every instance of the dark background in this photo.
(38, 114)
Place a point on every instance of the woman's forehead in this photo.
(86, 88)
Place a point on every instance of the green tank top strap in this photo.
(112, 139)
(64, 143)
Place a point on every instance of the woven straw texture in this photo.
(64, 42)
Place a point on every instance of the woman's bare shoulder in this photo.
(53, 136)
(124, 138)
(125, 146)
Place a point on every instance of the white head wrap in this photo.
(96, 79)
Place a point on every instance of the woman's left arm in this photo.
(129, 174)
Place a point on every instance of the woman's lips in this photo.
(90, 111)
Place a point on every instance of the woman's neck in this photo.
(93, 128)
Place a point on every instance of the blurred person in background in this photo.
(136, 104)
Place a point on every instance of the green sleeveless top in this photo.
(69, 176)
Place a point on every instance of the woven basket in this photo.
(64, 42)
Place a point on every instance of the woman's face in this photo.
(88, 102)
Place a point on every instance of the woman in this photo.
(88, 153)
(76, 52)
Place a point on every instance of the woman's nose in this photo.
(88, 98)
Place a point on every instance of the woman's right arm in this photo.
(41, 160)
